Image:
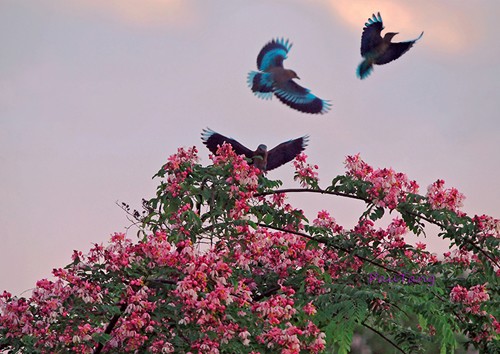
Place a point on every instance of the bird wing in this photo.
(395, 50)
(273, 54)
(286, 152)
(261, 84)
(212, 140)
(300, 98)
(371, 37)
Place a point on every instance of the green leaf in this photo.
(268, 219)
(102, 338)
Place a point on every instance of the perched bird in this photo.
(273, 78)
(262, 159)
(378, 50)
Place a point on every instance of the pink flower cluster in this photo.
(276, 252)
(242, 173)
(305, 173)
(326, 221)
(472, 297)
(53, 302)
(389, 187)
(460, 256)
(36, 316)
(243, 180)
(357, 168)
(487, 226)
(291, 339)
(178, 167)
(440, 198)
(389, 239)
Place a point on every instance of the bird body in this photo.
(273, 78)
(379, 50)
(261, 158)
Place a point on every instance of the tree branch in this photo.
(110, 327)
(367, 200)
(334, 246)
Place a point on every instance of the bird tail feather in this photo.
(364, 69)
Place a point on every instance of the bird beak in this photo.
(298, 78)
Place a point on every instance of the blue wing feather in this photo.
(301, 99)
(261, 84)
(273, 54)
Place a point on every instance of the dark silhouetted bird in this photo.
(262, 159)
(378, 50)
(274, 78)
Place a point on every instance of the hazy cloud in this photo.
(146, 13)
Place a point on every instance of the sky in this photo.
(95, 95)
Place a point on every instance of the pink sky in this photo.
(94, 96)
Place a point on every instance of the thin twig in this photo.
(267, 293)
(384, 337)
(306, 190)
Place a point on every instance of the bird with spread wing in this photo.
(273, 78)
(261, 158)
(378, 50)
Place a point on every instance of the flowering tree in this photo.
(223, 264)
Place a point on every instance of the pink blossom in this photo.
(440, 198)
(458, 256)
(388, 189)
(356, 167)
(309, 309)
(487, 226)
(305, 173)
(472, 297)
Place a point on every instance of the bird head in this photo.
(292, 75)
(261, 148)
(389, 35)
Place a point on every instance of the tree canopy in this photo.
(223, 263)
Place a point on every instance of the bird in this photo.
(261, 158)
(273, 78)
(378, 50)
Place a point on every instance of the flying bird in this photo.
(263, 159)
(273, 78)
(378, 50)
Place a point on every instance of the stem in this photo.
(320, 191)
(384, 337)
(267, 293)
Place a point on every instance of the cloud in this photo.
(447, 29)
(143, 13)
